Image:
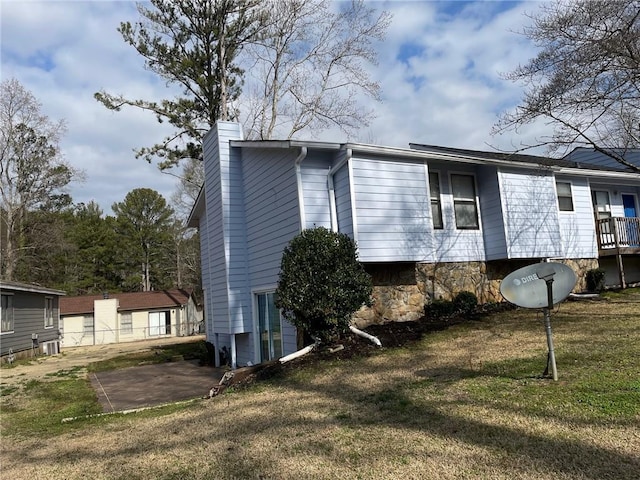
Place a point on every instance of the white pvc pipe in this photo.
(297, 354)
(357, 331)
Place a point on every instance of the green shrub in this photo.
(465, 302)
(595, 279)
(321, 283)
(439, 308)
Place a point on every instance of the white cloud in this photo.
(448, 93)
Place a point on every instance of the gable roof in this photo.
(27, 287)
(127, 301)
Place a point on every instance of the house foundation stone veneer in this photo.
(401, 290)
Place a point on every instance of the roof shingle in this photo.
(127, 301)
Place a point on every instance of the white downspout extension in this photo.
(333, 213)
(308, 348)
(369, 337)
(299, 353)
(298, 161)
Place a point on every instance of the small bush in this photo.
(465, 302)
(322, 283)
(439, 308)
(595, 280)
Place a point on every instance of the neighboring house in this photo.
(126, 317)
(428, 222)
(29, 319)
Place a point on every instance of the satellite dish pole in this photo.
(546, 272)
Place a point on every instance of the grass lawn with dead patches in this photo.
(465, 402)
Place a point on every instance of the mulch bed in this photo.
(391, 335)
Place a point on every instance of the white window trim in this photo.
(53, 314)
(608, 208)
(437, 172)
(171, 325)
(13, 314)
(129, 325)
(476, 200)
(573, 203)
(257, 348)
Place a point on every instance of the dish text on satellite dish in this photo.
(526, 287)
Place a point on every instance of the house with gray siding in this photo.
(29, 320)
(428, 222)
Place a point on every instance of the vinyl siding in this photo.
(28, 318)
(577, 228)
(392, 210)
(289, 340)
(273, 219)
(236, 245)
(344, 206)
(530, 214)
(452, 244)
(615, 194)
(218, 197)
(313, 172)
(495, 244)
(272, 213)
(244, 350)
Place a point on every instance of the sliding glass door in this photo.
(269, 327)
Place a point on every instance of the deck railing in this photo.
(618, 232)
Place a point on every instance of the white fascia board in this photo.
(284, 144)
(196, 210)
(606, 174)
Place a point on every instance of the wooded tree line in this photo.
(46, 239)
(78, 249)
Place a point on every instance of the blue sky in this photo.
(439, 69)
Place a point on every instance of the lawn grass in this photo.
(466, 402)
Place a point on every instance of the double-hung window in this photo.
(565, 199)
(436, 204)
(88, 325)
(464, 202)
(48, 312)
(126, 323)
(6, 314)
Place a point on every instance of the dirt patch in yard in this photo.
(42, 367)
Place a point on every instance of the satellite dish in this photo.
(527, 286)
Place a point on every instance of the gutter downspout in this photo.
(333, 213)
(297, 162)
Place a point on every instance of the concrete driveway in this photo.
(128, 388)
(149, 385)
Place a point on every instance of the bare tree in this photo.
(33, 173)
(189, 183)
(308, 67)
(585, 81)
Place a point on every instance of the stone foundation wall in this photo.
(401, 290)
